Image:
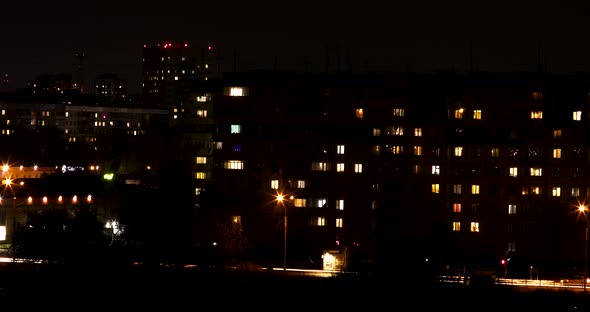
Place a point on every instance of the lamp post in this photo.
(583, 209)
(280, 200)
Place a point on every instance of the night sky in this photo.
(418, 35)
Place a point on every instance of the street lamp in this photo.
(582, 209)
(280, 199)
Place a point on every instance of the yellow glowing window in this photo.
(474, 226)
(537, 115)
(201, 160)
(456, 226)
(577, 115)
(495, 152)
(200, 175)
(359, 113)
(457, 188)
(338, 222)
(556, 191)
(319, 166)
(234, 164)
(513, 171)
(477, 114)
(376, 132)
(340, 167)
(358, 168)
(458, 151)
(474, 189)
(398, 112)
(525, 190)
(320, 221)
(435, 188)
(394, 130)
(418, 132)
(511, 209)
(340, 204)
(536, 190)
(575, 191)
(340, 149)
(557, 133)
(536, 172)
(274, 184)
(397, 149)
(418, 150)
(456, 207)
(300, 202)
(557, 153)
(202, 113)
(459, 113)
(301, 184)
(236, 91)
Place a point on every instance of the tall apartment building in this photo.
(403, 168)
(110, 87)
(171, 71)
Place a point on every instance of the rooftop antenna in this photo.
(539, 62)
(471, 56)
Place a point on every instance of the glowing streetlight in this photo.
(582, 209)
(280, 200)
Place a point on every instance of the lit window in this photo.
(396, 149)
(458, 151)
(556, 191)
(319, 221)
(456, 208)
(457, 188)
(236, 91)
(435, 169)
(474, 189)
(340, 204)
(200, 175)
(218, 145)
(198, 191)
(459, 113)
(495, 152)
(359, 113)
(557, 133)
(300, 202)
(394, 130)
(236, 129)
(536, 190)
(358, 168)
(575, 191)
(340, 167)
(435, 188)
(557, 153)
(513, 171)
(418, 150)
(398, 112)
(340, 149)
(319, 166)
(512, 247)
(301, 184)
(537, 115)
(456, 226)
(376, 132)
(274, 184)
(4, 112)
(525, 190)
(376, 149)
(477, 114)
(511, 209)
(536, 172)
(2, 232)
(234, 164)
(577, 115)
(175, 77)
(474, 226)
(418, 132)
(201, 160)
(417, 169)
(322, 203)
(338, 222)
(537, 95)
(202, 113)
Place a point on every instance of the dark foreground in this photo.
(87, 289)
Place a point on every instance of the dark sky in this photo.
(415, 35)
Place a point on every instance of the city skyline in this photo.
(394, 37)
